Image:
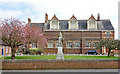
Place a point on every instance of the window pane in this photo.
(56, 44)
(50, 45)
(88, 44)
(77, 44)
(108, 34)
(69, 44)
(6, 49)
(95, 44)
(9, 49)
(34, 46)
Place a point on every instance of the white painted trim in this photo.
(79, 30)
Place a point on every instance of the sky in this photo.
(64, 9)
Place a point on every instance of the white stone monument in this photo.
(60, 48)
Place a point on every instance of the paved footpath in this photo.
(75, 70)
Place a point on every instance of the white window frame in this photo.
(51, 45)
(96, 44)
(68, 45)
(2, 47)
(89, 45)
(56, 44)
(34, 45)
(76, 46)
(6, 51)
(107, 34)
(9, 49)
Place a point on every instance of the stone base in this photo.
(59, 56)
(60, 53)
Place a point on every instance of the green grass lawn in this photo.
(65, 56)
(1, 57)
(34, 57)
(88, 57)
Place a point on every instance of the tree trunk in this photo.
(13, 53)
(100, 50)
(109, 52)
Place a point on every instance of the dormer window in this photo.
(92, 23)
(54, 23)
(73, 23)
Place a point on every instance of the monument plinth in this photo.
(60, 48)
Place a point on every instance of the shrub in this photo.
(26, 51)
(35, 50)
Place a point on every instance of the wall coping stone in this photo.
(57, 60)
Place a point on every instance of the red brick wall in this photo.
(50, 50)
(81, 36)
(59, 64)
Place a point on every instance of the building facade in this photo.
(79, 36)
(4, 49)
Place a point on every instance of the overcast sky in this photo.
(64, 9)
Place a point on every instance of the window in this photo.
(69, 44)
(34, 46)
(77, 44)
(73, 24)
(92, 24)
(54, 25)
(92, 21)
(107, 34)
(6, 49)
(95, 44)
(54, 21)
(50, 44)
(9, 49)
(2, 47)
(56, 44)
(88, 44)
(73, 21)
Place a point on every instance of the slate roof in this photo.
(82, 25)
(40, 25)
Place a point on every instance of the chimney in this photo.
(29, 20)
(98, 18)
(46, 18)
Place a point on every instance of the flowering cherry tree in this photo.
(34, 35)
(16, 33)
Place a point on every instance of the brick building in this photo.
(4, 49)
(79, 36)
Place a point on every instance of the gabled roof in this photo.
(54, 17)
(92, 17)
(73, 17)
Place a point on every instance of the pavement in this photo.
(70, 70)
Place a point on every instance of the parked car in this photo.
(94, 52)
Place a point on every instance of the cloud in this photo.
(9, 13)
(64, 9)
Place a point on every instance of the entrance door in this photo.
(2, 50)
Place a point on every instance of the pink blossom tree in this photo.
(16, 33)
(35, 35)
